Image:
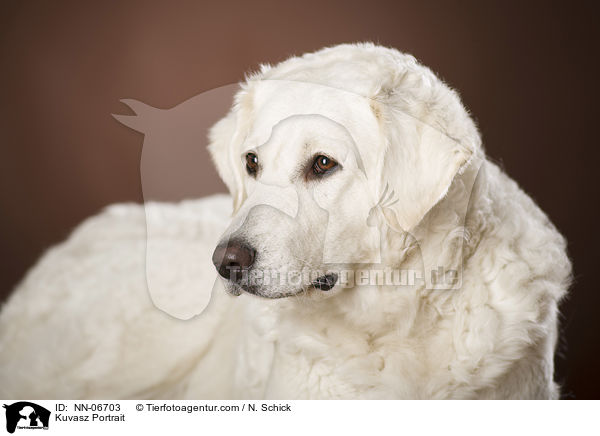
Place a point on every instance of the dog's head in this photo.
(310, 149)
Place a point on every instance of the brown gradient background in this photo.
(526, 70)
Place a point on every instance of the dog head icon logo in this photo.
(25, 414)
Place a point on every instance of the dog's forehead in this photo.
(277, 103)
(300, 135)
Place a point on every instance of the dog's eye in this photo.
(251, 163)
(323, 164)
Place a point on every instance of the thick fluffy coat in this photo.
(82, 325)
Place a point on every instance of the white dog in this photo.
(350, 169)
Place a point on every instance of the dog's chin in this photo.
(261, 291)
(322, 284)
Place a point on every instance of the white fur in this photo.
(81, 325)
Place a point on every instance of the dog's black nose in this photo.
(231, 257)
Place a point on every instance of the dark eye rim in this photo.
(251, 163)
(316, 170)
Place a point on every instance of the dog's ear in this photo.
(224, 150)
(429, 139)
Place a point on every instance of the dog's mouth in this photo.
(323, 283)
